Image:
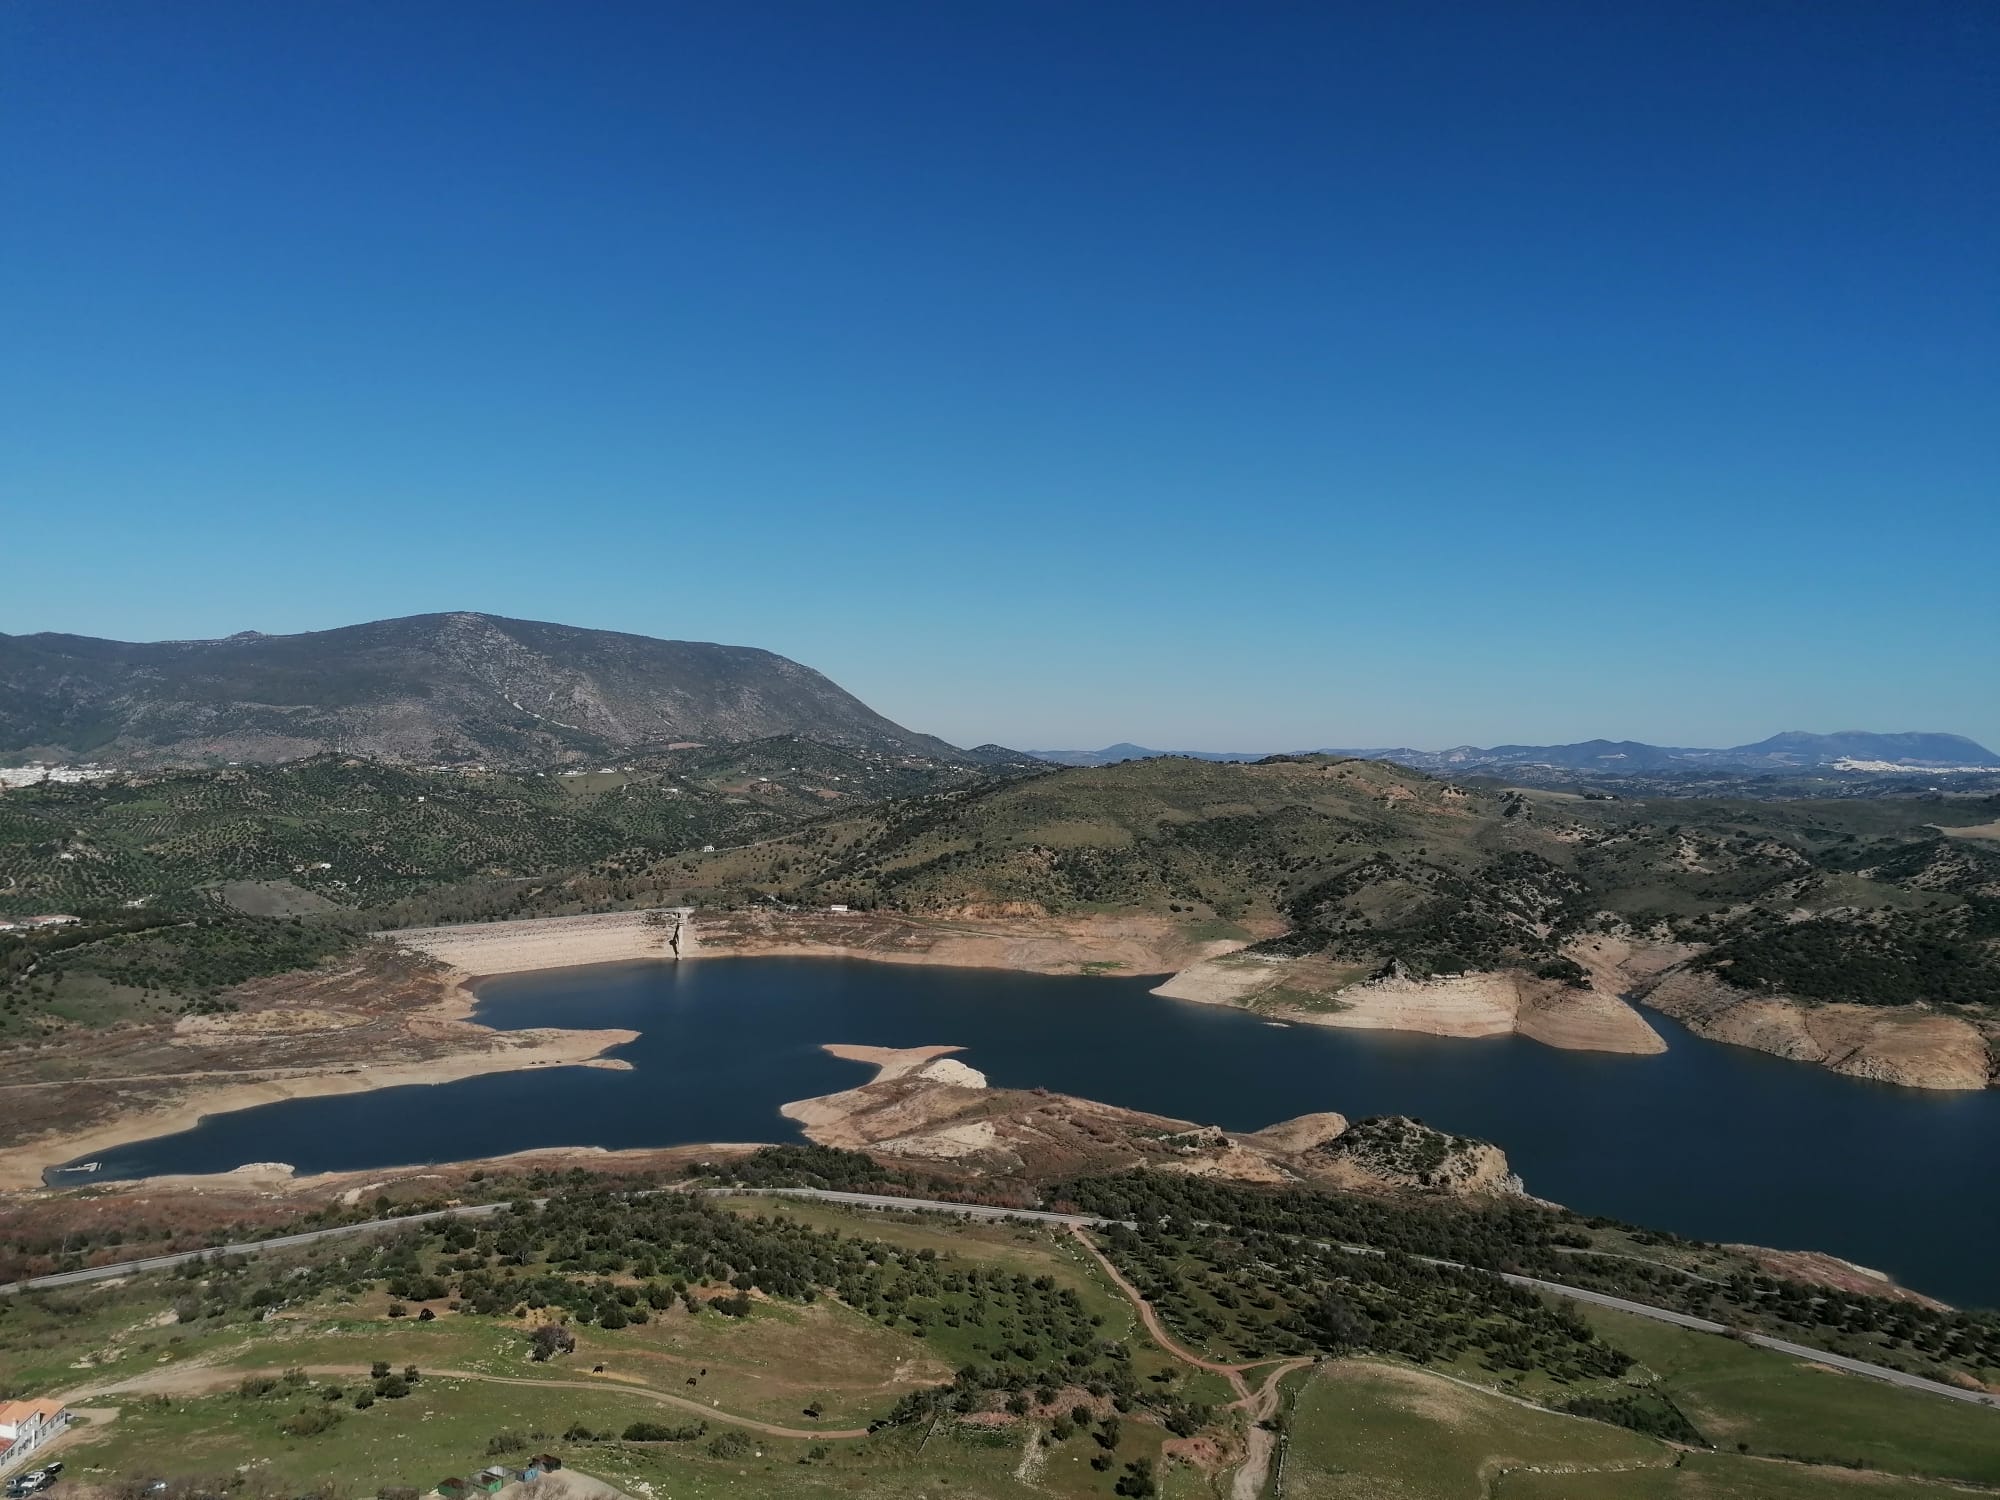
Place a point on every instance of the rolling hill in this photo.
(1794, 750)
(1367, 868)
(425, 688)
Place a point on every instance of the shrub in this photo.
(659, 1432)
(550, 1339)
(309, 1422)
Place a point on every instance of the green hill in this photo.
(1375, 863)
(190, 881)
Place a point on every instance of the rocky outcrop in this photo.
(1317, 992)
(1909, 1045)
(926, 1106)
(1303, 1133)
(1396, 1151)
(1585, 1020)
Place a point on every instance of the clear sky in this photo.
(1219, 375)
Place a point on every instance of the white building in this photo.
(26, 1426)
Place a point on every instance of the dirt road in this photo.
(194, 1380)
(1259, 1442)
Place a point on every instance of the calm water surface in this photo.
(1714, 1141)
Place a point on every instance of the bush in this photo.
(309, 1422)
(550, 1339)
(659, 1432)
(731, 1445)
(392, 1387)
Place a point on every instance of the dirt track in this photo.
(194, 1380)
(1260, 1443)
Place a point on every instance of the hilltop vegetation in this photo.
(189, 882)
(1868, 902)
(364, 835)
(193, 881)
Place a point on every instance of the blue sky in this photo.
(1209, 375)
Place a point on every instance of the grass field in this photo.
(443, 1427)
(1037, 1251)
(1780, 1407)
(823, 1372)
(450, 1425)
(1720, 1476)
(178, 1406)
(1366, 1431)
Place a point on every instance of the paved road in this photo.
(930, 1205)
(1030, 1215)
(1576, 1293)
(247, 1247)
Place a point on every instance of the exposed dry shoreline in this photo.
(1312, 992)
(1911, 1046)
(433, 1040)
(459, 1048)
(1923, 1050)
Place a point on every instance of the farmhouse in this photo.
(26, 1425)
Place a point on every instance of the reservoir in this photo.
(1709, 1140)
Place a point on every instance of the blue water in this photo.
(1710, 1140)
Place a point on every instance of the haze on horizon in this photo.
(1210, 378)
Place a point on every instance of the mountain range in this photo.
(1794, 750)
(467, 687)
(424, 688)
